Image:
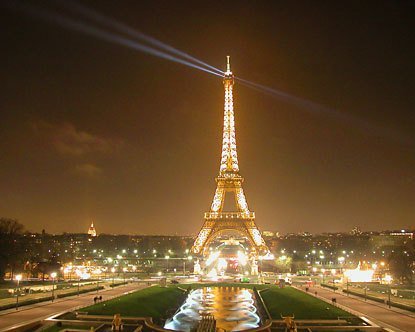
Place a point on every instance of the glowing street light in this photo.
(123, 274)
(53, 275)
(98, 272)
(79, 274)
(113, 271)
(167, 257)
(189, 258)
(18, 278)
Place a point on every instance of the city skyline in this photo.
(96, 132)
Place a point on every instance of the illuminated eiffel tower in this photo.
(242, 220)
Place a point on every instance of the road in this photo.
(395, 319)
(13, 318)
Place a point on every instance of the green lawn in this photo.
(288, 301)
(149, 302)
(156, 301)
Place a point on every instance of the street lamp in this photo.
(333, 273)
(167, 262)
(124, 270)
(189, 258)
(322, 273)
(18, 278)
(113, 272)
(347, 286)
(389, 295)
(79, 274)
(98, 272)
(53, 275)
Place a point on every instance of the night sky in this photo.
(91, 130)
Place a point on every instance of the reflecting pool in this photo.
(232, 307)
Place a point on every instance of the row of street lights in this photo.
(18, 278)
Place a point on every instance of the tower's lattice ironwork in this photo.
(242, 220)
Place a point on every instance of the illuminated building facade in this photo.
(242, 220)
(91, 230)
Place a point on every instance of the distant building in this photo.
(268, 233)
(356, 231)
(403, 232)
(91, 230)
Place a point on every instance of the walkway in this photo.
(395, 319)
(12, 318)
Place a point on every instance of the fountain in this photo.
(232, 307)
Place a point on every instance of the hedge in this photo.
(119, 284)
(329, 286)
(46, 298)
(380, 300)
(81, 291)
(26, 302)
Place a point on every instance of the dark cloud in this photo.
(70, 141)
(88, 170)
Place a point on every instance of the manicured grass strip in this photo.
(381, 300)
(26, 302)
(329, 286)
(149, 302)
(118, 284)
(81, 291)
(288, 301)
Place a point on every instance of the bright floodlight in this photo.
(19, 277)
(53, 275)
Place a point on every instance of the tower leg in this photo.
(254, 267)
(197, 269)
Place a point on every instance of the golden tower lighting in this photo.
(242, 220)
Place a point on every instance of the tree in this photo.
(401, 264)
(10, 231)
(47, 267)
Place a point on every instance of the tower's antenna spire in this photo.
(228, 63)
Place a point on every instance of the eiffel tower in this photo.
(242, 220)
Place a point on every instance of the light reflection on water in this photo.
(232, 307)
